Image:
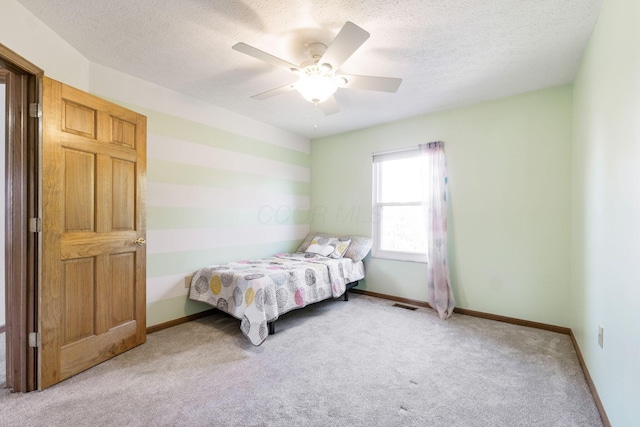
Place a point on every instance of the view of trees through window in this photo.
(400, 230)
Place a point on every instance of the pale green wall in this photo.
(509, 174)
(606, 209)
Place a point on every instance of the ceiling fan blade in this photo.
(380, 84)
(348, 40)
(274, 92)
(264, 56)
(330, 106)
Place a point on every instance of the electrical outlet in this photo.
(600, 336)
(187, 282)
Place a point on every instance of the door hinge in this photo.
(35, 225)
(35, 110)
(34, 339)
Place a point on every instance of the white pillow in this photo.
(357, 250)
(333, 247)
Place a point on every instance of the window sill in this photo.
(401, 257)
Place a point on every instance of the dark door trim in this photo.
(22, 201)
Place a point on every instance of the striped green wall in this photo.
(213, 195)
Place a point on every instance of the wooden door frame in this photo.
(22, 201)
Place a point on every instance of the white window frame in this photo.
(377, 206)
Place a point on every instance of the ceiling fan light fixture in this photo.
(316, 77)
(316, 84)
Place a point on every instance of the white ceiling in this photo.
(449, 53)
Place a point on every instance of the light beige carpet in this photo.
(336, 363)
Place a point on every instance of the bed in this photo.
(258, 291)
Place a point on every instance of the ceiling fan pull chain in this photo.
(316, 116)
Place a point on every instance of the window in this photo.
(399, 224)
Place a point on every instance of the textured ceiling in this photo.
(449, 53)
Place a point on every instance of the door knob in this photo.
(139, 241)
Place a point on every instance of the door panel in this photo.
(78, 312)
(123, 195)
(92, 301)
(78, 119)
(122, 281)
(79, 196)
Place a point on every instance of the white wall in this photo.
(606, 209)
(26, 35)
(2, 183)
(509, 187)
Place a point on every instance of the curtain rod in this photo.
(399, 150)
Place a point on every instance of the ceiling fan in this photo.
(318, 77)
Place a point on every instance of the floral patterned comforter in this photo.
(258, 291)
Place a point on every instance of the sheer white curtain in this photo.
(440, 295)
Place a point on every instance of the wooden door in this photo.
(92, 295)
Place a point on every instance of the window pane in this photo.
(403, 229)
(400, 180)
